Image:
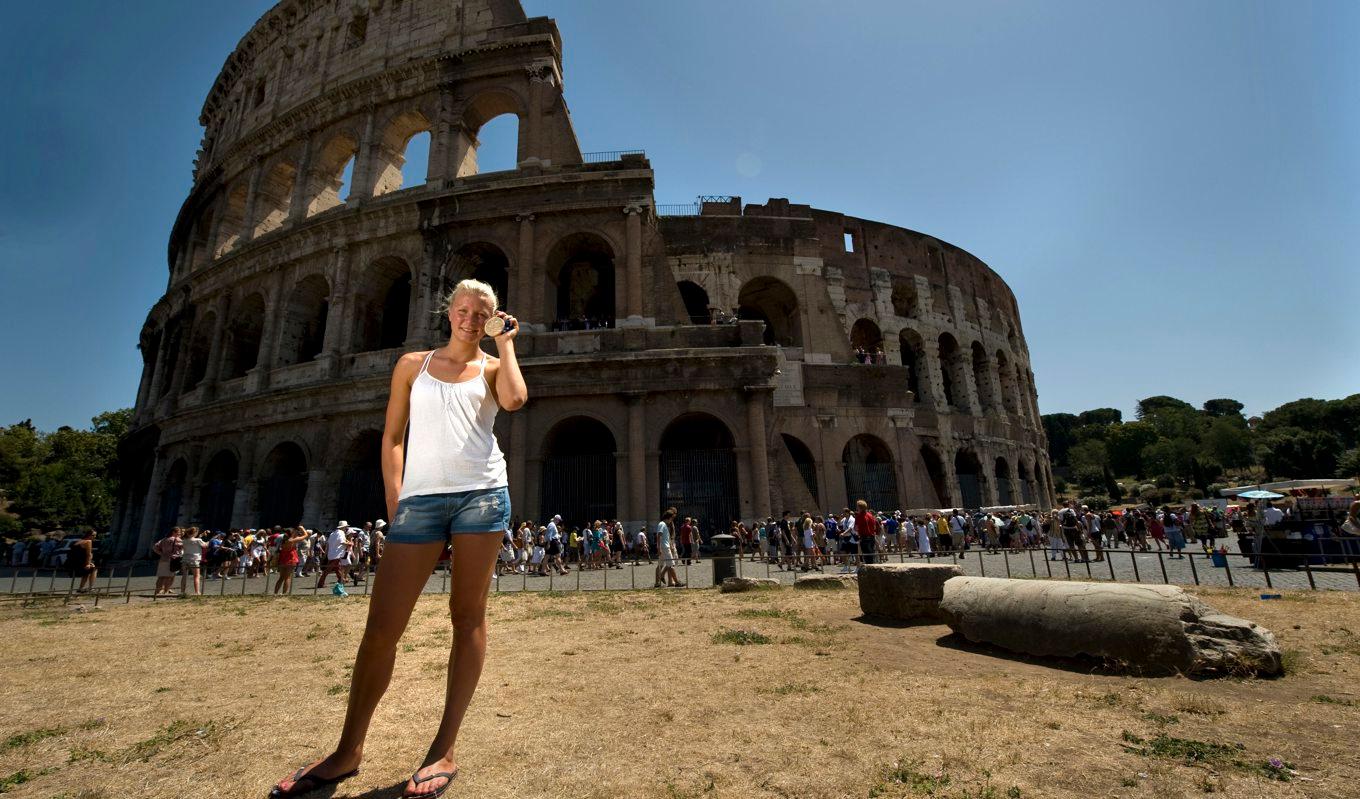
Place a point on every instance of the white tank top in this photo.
(450, 447)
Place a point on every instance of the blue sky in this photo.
(1171, 189)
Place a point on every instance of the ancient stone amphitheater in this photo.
(309, 254)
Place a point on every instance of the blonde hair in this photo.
(469, 286)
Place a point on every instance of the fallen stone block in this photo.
(825, 582)
(1151, 628)
(904, 591)
(737, 585)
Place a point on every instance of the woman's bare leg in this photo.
(389, 610)
(474, 558)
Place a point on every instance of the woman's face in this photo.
(467, 314)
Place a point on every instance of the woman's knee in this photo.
(467, 618)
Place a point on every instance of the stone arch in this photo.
(484, 261)
(914, 358)
(865, 334)
(1027, 493)
(382, 305)
(303, 331)
(771, 301)
(581, 266)
(202, 247)
(696, 301)
(274, 197)
(390, 158)
(500, 105)
(175, 330)
(935, 473)
(952, 372)
(232, 220)
(982, 377)
(870, 473)
(242, 333)
(580, 476)
(968, 471)
(200, 347)
(1003, 482)
(904, 299)
(217, 494)
(282, 485)
(804, 461)
(362, 496)
(698, 466)
(325, 187)
(172, 496)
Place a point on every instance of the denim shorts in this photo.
(427, 518)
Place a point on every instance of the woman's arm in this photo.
(507, 384)
(394, 430)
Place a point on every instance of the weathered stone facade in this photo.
(268, 359)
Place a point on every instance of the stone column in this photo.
(188, 500)
(1017, 486)
(181, 367)
(252, 199)
(526, 272)
(364, 175)
(311, 503)
(756, 397)
(532, 136)
(633, 261)
(994, 379)
(951, 476)
(243, 503)
(971, 401)
(830, 469)
(151, 510)
(637, 456)
(519, 434)
(297, 206)
(334, 343)
(462, 151)
(161, 370)
(213, 372)
(441, 145)
(932, 373)
(892, 350)
(258, 378)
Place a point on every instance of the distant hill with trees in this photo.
(1173, 450)
(66, 479)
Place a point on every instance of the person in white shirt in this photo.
(554, 547)
(665, 550)
(922, 538)
(337, 555)
(1272, 515)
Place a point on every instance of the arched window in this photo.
(241, 350)
(696, 302)
(362, 497)
(982, 377)
(865, 336)
(951, 372)
(583, 265)
(904, 299)
(486, 262)
(806, 464)
(490, 141)
(1003, 483)
(199, 348)
(172, 495)
(870, 474)
(304, 321)
(283, 486)
(383, 305)
(914, 358)
(699, 471)
(497, 147)
(403, 157)
(969, 473)
(579, 473)
(175, 330)
(1026, 483)
(274, 198)
(772, 301)
(332, 175)
(218, 494)
(233, 220)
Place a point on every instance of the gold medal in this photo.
(494, 326)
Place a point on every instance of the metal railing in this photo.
(126, 581)
(609, 156)
(681, 209)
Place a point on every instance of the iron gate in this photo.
(701, 483)
(875, 483)
(582, 488)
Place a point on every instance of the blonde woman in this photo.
(445, 480)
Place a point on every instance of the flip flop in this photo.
(448, 776)
(306, 783)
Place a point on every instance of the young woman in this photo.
(453, 487)
(191, 563)
(168, 550)
(288, 558)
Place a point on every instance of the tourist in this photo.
(195, 548)
(1072, 533)
(819, 543)
(867, 525)
(169, 553)
(923, 546)
(379, 541)
(445, 478)
(1175, 533)
(1092, 523)
(337, 555)
(665, 550)
(289, 558)
(1057, 538)
(640, 548)
(1202, 527)
(686, 532)
(1155, 529)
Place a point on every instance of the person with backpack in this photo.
(867, 526)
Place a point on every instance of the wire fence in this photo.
(127, 581)
(609, 156)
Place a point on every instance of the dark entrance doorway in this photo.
(579, 477)
(699, 471)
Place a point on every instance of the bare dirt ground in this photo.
(660, 694)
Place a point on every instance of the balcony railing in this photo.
(608, 156)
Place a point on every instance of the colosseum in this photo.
(702, 356)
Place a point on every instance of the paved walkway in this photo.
(1121, 565)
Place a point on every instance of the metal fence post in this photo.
(1133, 558)
(1227, 569)
(1005, 555)
(1308, 570)
(1265, 569)
(1161, 561)
(1195, 571)
(1109, 559)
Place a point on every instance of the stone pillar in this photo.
(637, 456)
(252, 199)
(311, 503)
(993, 378)
(364, 174)
(441, 145)
(215, 349)
(243, 503)
(519, 434)
(151, 510)
(462, 150)
(215, 232)
(633, 262)
(160, 371)
(526, 272)
(830, 469)
(971, 400)
(258, 378)
(951, 476)
(892, 350)
(297, 206)
(338, 323)
(531, 138)
(756, 397)
(181, 366)
(188, 499)
(932, 373)
(1017, 486)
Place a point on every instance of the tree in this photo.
(1173, 456)
(1223, 407)
(1348, 465)
(65, 478)
(1160, 403)
(1100, 416)
(1228, 442)
(1089, 462)
(1294, 453)
(1125, 444)
(1059, 427)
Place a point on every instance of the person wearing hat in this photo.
(376, 542)
(337, 554)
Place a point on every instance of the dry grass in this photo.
(643, 694)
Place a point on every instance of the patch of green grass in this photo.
(1158, 718)
(1199, 706)
(20, 777)
(31, 737)
(1291, 662)
(556, 613)
(740, 637)
(916, 782)
(336, 689)
(1186, 751)
(790, 688)
(81, 754)
(1332, 700)
(175, 732)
